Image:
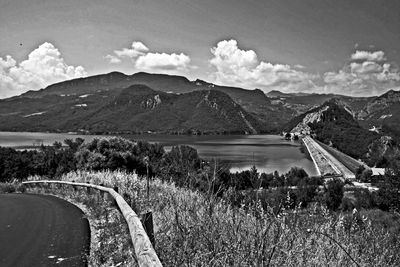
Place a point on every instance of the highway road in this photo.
(38, 230)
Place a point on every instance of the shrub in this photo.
(333, 195)
(7, 188)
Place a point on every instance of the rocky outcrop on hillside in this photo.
(311, 117)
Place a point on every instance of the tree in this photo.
(255, 178)
(307, 190)
(295, 175)
(389, 188)
(266, 180)
(180, 162)
(334, 191)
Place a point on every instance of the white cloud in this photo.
(44, 66)
(367, 75)
(163, 61)
(145, 60)
(340, 77)
(137, 49)
(237, 67)
(299, 66)
(7, 63)
(113, 59)
(369, 56)
(366, 67)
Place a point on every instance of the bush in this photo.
(388, 196)
(7, 188)
(333, 195)
(12, 187)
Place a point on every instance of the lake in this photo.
(267, 152)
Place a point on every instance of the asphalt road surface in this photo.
(38, 230)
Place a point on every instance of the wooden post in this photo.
(146, 161)
(112, 199)
(102, 193)
(147, 221)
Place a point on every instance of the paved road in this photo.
(40, 230)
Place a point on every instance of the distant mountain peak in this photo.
(331, 110)
(390, 94)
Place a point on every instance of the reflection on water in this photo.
(267, 152)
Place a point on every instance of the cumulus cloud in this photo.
(238, 67)
(44, 66)
(137, 49)
(145, 60)
(369, 56)
(113, 59)
(366, 67)
(366, 74)
(163, 61)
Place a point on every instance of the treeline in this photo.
(181, 165)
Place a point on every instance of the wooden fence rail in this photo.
(144, 251)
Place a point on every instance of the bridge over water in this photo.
(325, 162)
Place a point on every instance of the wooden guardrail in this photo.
(144, 251)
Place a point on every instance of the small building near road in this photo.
(378, 172)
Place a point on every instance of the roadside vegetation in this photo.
(201, 229)
(204, 215)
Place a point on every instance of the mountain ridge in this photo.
(137, 108)
(270, 114)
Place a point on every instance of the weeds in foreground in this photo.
(12, 187)
(194, 229)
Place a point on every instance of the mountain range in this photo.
(335, 123)
(142, 102)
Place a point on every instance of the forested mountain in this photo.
(137, 108)
(93, 92)
(334, 123)
(96, 104)
(382, 114)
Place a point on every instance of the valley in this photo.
(199, 133)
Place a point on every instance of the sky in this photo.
(314, 46)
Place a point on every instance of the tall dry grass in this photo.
(195, 229)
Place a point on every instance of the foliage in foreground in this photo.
(196, 229)
(11, 187)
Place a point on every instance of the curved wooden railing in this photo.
(145, 254)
